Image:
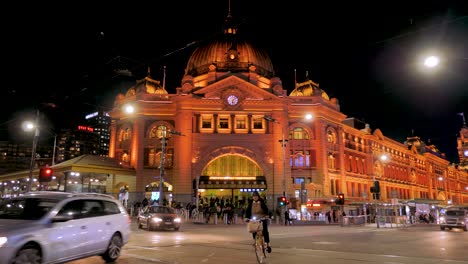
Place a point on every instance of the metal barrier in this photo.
(392, 221)
(353, 220)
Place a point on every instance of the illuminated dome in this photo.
(228, 53)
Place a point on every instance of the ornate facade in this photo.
(240, 130)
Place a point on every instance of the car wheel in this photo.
(113, 249)
(465, 229)
(28, 254)
(176, 229)
(148, 226)
(139, 225)
(442, 228)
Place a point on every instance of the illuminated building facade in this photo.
(240, 130)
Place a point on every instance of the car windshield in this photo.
(160, 210)
(26, 208)
(455, 213)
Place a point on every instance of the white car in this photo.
(56, 227)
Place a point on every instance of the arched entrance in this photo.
(231, 177)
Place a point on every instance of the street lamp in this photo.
(163, 160)
(161, 168)
(283, 142)
(29, 126)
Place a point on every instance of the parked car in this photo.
(158, 217)
(454, 217)
(56, 227)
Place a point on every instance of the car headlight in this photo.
(177, 220)
(156, 219)
(442, 219)
(3, 241)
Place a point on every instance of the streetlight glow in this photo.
(431, 61)
(129, 109)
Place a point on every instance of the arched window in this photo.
(299, 133)
(301, 159)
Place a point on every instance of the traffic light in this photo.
(340, 200)
(282, 201)
(45, 174)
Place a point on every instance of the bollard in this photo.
(215, 220)
(225, 219)
(235, 219)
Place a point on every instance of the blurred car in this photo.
(158, 217)
(454, 218)
(56, 227)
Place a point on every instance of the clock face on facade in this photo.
(465, 153)
(232, 100)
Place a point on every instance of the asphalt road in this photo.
(328, 244)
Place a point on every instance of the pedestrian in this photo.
(287, 219)
(144, 203)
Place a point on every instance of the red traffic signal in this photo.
(340, 199)
(282, 201)
(45, 174)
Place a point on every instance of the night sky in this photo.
(64, 59)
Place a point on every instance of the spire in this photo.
(229, 26)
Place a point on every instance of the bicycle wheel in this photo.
(260, 249)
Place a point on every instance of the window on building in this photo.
(299, 180)
(258, 122)
(223, 122)
(207, 121)
(299, 133)
(153, 132)
(301, 159)
(241, 122)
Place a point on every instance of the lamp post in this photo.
(163, 159)
(30, 126)
(53, 151)
(161, 168)
(283, 142)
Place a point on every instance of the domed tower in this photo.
(224, 55)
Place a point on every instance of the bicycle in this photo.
(260, 246)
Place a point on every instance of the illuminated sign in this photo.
(91, 115)
(86, 128)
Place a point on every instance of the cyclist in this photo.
(257, 208)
